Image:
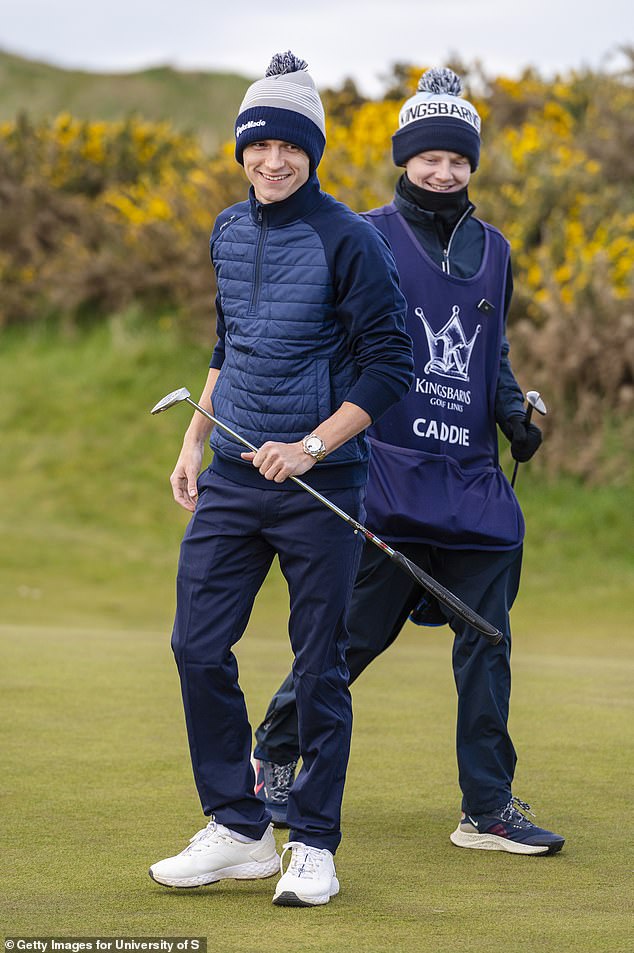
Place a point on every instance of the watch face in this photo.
(313, 444)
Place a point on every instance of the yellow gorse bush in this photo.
(356, 167)
(97, 216)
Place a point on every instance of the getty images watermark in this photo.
(106, 944)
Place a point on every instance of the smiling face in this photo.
(439, 171)
(275, 169)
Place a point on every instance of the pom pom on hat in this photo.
(440, 80)
(284, 105)
(437, 118)
(285, 63)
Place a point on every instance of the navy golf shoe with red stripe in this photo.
(507, 829)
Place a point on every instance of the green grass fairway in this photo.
(96, 781)
(97, 785)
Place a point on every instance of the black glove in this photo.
(524, 439)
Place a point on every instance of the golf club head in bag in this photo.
(535, 402)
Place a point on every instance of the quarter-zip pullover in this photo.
(309, 315)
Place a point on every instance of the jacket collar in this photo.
(296, 206)
(422, 216)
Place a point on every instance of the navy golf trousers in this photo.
(226, 552)
(382, 600)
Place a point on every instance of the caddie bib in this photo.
(434, 470)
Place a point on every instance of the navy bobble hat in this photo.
(436, 117)
(284, 105)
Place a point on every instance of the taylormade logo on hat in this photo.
(436, 117)
(250, 125)
(286, 101)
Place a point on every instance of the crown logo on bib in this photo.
(449, 350)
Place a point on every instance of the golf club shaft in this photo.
(527, 420)
(443, 595)
(309, 489)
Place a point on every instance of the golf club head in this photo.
(535, 401)
(176, 397)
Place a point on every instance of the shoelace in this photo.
(280, 780)
(202, 838)
(305, 861)
(516, 810)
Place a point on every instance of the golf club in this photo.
(534, 402)
(490, 633)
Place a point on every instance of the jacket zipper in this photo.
(445, 251)
(257, 271)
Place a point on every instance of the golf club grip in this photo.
(461, 609)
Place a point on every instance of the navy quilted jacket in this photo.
(309, 314)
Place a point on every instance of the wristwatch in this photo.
(314, 446)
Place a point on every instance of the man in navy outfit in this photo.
(435, 486)
(311, 350)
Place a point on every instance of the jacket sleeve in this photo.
(218, 356)
(372, 309)
(224, 219)
(509, 400)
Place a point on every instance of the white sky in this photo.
(338, 38)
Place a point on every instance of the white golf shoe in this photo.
(213, 854)
(310, 879)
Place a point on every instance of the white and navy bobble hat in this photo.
(284, 105)
(436, 117)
